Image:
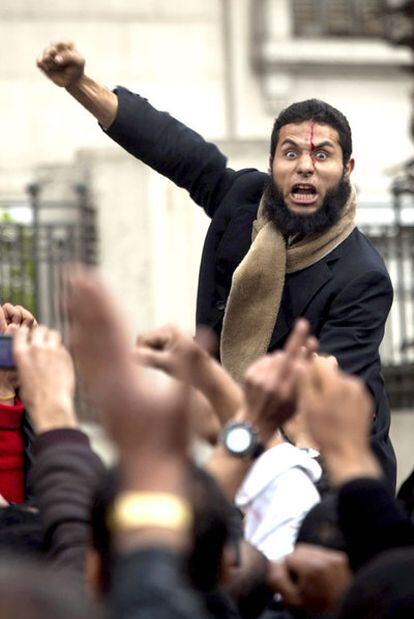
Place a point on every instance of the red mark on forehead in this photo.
(311, 143)
(312, 133)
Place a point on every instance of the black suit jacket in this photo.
(346, 296)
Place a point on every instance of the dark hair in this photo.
(20, 531)
(319, 112)
(320, 526)
(30, 589)
(213, 523)
(383, 589)
(102, 541)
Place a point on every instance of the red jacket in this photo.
(12, 476)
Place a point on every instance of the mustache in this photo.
(289, 223)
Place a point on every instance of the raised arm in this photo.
(171, 350)
(154, 137)
(270, 399)
(65, 66)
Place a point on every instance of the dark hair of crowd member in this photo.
(30, 589)
(213, 521)
(320, 526)
(383, 589)
(20, 531)
(319, 112)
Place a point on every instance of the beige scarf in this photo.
(257, 284)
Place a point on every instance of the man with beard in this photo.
(279, 246)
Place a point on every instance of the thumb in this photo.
(144, 355)
(3, 321)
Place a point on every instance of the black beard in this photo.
(289, 223)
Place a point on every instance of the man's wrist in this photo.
(147, 472)
(53, 415)
(204, 376)
(78, 86)
(264, 431)
(343, 468)
(97, 99)
(218, 387)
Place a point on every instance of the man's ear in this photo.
(271, 160)
(349, 167)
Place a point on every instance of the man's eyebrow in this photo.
(323, 144)
(289, 141)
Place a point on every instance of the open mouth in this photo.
(303, 194)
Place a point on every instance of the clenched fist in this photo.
(62, 63)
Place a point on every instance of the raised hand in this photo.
(177, 354)
(46, 376)
(271, 384)
(339, 413)
(12, 317)
(170, 350)
(311, 578)
(18, 315)
(140, 414)
(62, 63)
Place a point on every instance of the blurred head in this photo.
(29, 590)
(320, 526)
(215, 524)
(383, 589)
(310, 164)
(20, 531)
(212, 527)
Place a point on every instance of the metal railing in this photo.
(395, 242)
(36, 238)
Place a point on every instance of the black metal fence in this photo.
(36, 238)
(395, 241)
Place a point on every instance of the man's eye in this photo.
(290, 154)
(321, 155)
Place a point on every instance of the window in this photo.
(338, 18)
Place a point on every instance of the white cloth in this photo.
(276, 495)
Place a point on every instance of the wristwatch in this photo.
(241, 440)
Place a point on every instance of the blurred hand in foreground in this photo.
(271, 384)
(47, 378)
(184, 358)
(311, 577)
(339, 413)
(12, 317)
(139, 414)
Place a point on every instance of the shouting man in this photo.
(280, 245)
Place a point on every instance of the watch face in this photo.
(239, 440)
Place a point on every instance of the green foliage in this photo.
(17, 263)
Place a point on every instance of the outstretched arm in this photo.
(171, 350)
(154, 137)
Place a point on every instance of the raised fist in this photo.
(62, 63)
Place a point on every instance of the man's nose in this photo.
(305, 164)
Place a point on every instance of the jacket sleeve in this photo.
(149, 583)
(371, 520)
(172, 149)
(64, 475)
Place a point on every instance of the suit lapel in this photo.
(300, 288)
